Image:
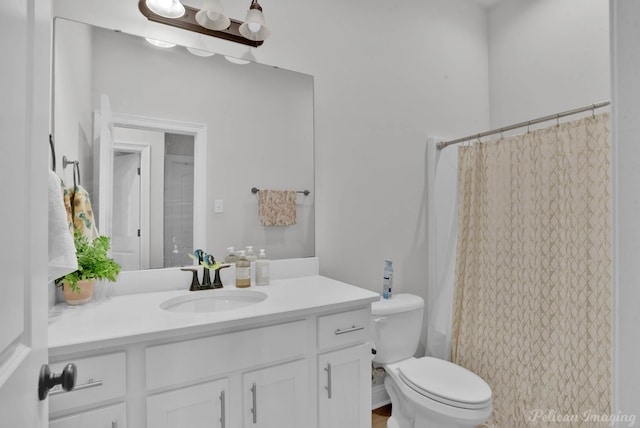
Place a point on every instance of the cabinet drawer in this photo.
(99, 379)
(344, 328)
(107, 417)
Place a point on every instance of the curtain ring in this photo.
(593, 111)
(557, 119)
(529, 127)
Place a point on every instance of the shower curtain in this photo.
(532, 296)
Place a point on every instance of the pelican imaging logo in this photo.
(588, 416)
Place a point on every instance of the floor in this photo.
(379, 416)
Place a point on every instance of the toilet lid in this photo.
(445, 382)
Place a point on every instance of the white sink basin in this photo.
(213, 301)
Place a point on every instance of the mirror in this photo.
(255, 123)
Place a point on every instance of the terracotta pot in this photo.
(85, 294)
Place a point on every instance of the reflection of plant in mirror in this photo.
(93, 262)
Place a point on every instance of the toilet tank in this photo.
(396, 326)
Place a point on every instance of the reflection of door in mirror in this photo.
(153, 198)
(126, 228)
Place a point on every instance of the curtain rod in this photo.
(442, 144)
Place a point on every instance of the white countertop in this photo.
(131, 318)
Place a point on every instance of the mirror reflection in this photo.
(153, 174)
(254, 121)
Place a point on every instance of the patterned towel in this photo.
(82, 213)
(277, 207)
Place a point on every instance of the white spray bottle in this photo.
(387, 281)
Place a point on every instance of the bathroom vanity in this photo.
(297, 355)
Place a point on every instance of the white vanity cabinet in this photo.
(300, 359)
(344, 375)
(266, 383)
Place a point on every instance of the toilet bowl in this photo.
(425, 392)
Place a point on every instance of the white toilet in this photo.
(425, 392)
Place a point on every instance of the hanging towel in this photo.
(62, 252)
(277, 207)
(82, 213)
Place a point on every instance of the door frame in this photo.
(199, 133)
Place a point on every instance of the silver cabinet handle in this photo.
(90, 384)
(328, 387)
(254, 410)
(222, 414)
(348, 330)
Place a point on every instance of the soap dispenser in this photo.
(231, 256)
(251, 256)
(262, 269)
(243, 271)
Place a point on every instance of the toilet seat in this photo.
(445, 382)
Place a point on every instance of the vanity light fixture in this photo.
(253, 27)
(235, 60)
(212, 16)
(159, 43)
(166, 8)
(211, 21)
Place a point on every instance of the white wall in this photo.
(625, 22)
(546, 56)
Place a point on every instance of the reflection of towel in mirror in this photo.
(62, 252)
(82, 213)
(277, 207)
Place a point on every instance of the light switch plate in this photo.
(218, 206)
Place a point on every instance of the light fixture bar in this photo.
(188, 22)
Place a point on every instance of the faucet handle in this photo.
(195, 284)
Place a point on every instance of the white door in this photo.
(126, 227)
(276, 397)
(344, 382)
(24, 123)
(200, 406)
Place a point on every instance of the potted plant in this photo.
(93, 263)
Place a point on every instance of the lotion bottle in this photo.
(243, 271)
(262, 269)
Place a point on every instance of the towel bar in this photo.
(255, 190)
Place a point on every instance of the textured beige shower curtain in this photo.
(532, 299)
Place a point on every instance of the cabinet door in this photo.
(344, 382)
(107, 417)
(199, 406)
(276, 397)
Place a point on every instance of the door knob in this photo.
(47, 380)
